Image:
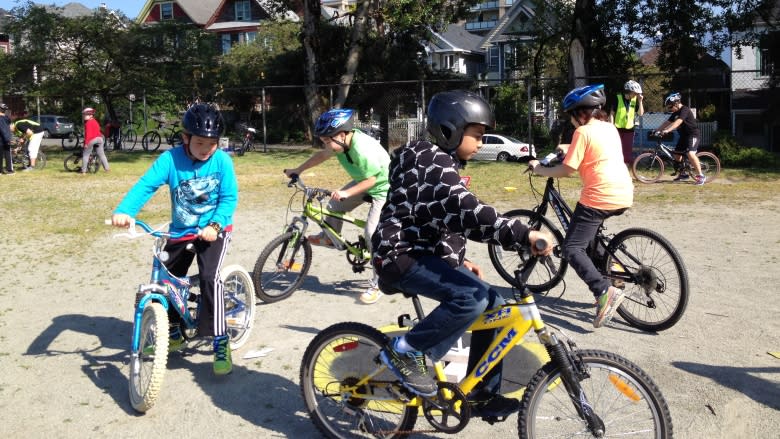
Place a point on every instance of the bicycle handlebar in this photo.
(133, 233)
(296, 180)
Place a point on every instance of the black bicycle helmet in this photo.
(203, 120)
(589, 96)
(672, 98)
(334, 121)
(449, 113)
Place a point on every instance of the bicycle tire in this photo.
(176, 138)
(710, 165)
(40, 160)
(93, 164)
(151, 141)
(273, 279)
(71, 142)
(72, 163)
(240, 306)
(129, 138)
(337, 357)
(147, 366)
(507, 261)
(648, 167)
(661, 297)
(620, 393)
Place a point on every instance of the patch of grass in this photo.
(56, 207)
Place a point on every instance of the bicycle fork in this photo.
(571, 375)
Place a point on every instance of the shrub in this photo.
(733, 154)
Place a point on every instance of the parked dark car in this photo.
(54, 126)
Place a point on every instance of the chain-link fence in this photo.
(528, 109)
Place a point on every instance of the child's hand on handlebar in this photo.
(121, 220)
(291, 172)
(208, 234)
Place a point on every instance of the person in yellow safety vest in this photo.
(624, 109)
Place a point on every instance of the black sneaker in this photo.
(496, 406)
(410, 368)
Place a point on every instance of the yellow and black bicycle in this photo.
(350, 393)
(283, 263)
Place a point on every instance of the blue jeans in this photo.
(462, 298)
(584, 224)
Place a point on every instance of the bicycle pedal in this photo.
(494, 419)
(404, 320)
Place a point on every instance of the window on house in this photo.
(229, 40)
(767, 53)
(447, 61)
(243, 10)
(166, 11)
(493, 57)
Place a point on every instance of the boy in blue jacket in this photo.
(204, 195)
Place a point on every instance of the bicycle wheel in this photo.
(648, 167)
(40, 160)
(239, 304)
(72, 162)
(128, 139)
(93, 164)
(281, 266)
(659, 298)
(710, 165)
(176, 138)
(620, 393)
(71, 142)
(335, 360)
(548, 272)
(151, 141)
(147, 366)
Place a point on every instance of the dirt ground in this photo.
(66, 326)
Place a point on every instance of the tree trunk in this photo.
(579, 47)
(311, 24)
(355, 51)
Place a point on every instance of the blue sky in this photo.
(131, 8)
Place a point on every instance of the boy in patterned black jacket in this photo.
(420, 244)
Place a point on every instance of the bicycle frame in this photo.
(166, 289)
(564, 213)
(318, 213)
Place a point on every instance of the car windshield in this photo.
(513, 140)
(63, 120)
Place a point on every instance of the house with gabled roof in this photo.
(457, 50)
(236, 21)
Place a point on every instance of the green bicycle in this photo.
(284, 262)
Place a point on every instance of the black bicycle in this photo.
(649, 166)
(640, 261)
(172, 135)
(73, 140)
(21, 157)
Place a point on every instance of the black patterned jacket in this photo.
(428, 211)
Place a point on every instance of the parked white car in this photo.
(503, 148)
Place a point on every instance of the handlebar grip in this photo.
(540, 244)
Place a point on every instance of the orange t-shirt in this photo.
(596, 152)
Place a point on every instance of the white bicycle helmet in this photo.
(672, 98)
(633, 86)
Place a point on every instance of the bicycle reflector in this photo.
(348, 346)
(624, 388)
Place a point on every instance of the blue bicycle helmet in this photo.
(449, 113)
(203, 120)
(590, 96)
(672, 98)
(334, 121)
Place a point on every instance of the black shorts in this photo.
(687, 144)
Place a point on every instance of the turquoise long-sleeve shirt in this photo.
(201, 192)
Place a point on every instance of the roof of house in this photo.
(506, 29)
(70, 10)
(199, 11)
(455, 38)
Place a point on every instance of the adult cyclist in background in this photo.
(682, 119)
(420, 246)
(366, 161)
(625, 108)
(607, 189)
